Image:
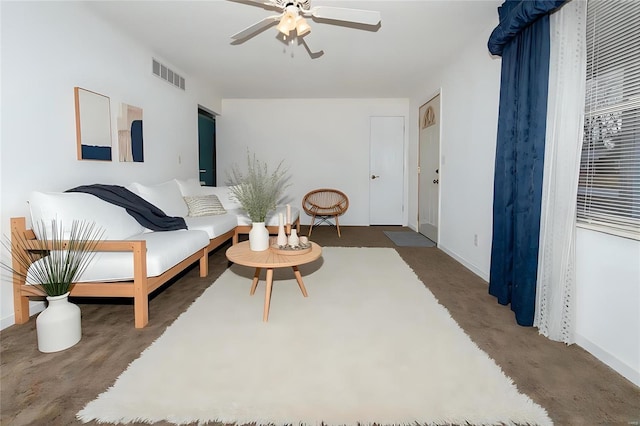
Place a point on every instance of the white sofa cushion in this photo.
(225, 196)
(190, 187)
(231, 205)
(166, 196)
(65, 207)
(214, 226)
(165, 249)
(272, 218)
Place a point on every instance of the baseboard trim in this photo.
(610, 360)
(34, 308)
(473, 268)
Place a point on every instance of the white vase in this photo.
(282, 236)
(58, 327)
(258, 237)
(294, 241)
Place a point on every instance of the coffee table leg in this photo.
(267, 295)
(254, 284)
(296, 272)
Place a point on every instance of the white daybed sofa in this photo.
(134, 261)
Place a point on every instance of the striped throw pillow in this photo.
(204, 205)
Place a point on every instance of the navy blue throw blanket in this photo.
(147, 215)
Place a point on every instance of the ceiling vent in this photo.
(167, 74)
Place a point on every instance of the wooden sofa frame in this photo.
(138, 289)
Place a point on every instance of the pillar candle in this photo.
(288, 214)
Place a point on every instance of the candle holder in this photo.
(282, 236)
(289, 250)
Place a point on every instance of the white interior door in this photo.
(429, 173)
(386, 170)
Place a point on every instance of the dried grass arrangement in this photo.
(258, 190)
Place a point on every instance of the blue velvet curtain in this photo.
(522, 38)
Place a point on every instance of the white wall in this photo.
(323, 142)
(47, 49)
(608, 300)
(469, 88)
(607, 267)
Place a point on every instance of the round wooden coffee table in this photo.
(270, 259)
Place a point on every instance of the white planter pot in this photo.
(258, 237)
(58, 326)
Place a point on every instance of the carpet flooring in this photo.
(49, 389)
(369, 345)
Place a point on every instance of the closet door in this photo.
(386, 170)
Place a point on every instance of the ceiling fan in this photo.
(291, 22)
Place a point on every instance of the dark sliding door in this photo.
(207, 147)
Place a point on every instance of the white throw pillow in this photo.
(65, 207)
(166, 196)
(190, 187)
(204, 205)
(225, 196)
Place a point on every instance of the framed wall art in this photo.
(93, 125)
(130, 140)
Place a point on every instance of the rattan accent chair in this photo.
(325, 204)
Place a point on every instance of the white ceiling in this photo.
(193, 37)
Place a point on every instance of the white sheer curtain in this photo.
(555, 304)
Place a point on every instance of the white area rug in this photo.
(369, 344)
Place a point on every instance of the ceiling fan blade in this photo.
(358, 16)
(267, 3)
(258, 26)
(313, 53)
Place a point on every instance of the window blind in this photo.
(609, 179)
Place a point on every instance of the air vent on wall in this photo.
(167, 74)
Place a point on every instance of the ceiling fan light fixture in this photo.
(288, 21)
(292, 18)
(283, 27)
(302, 27)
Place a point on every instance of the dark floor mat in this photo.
(409, 239)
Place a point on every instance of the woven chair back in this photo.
(325, 202)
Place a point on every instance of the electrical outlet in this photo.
(475, 240)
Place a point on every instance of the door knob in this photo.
(374, 176)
